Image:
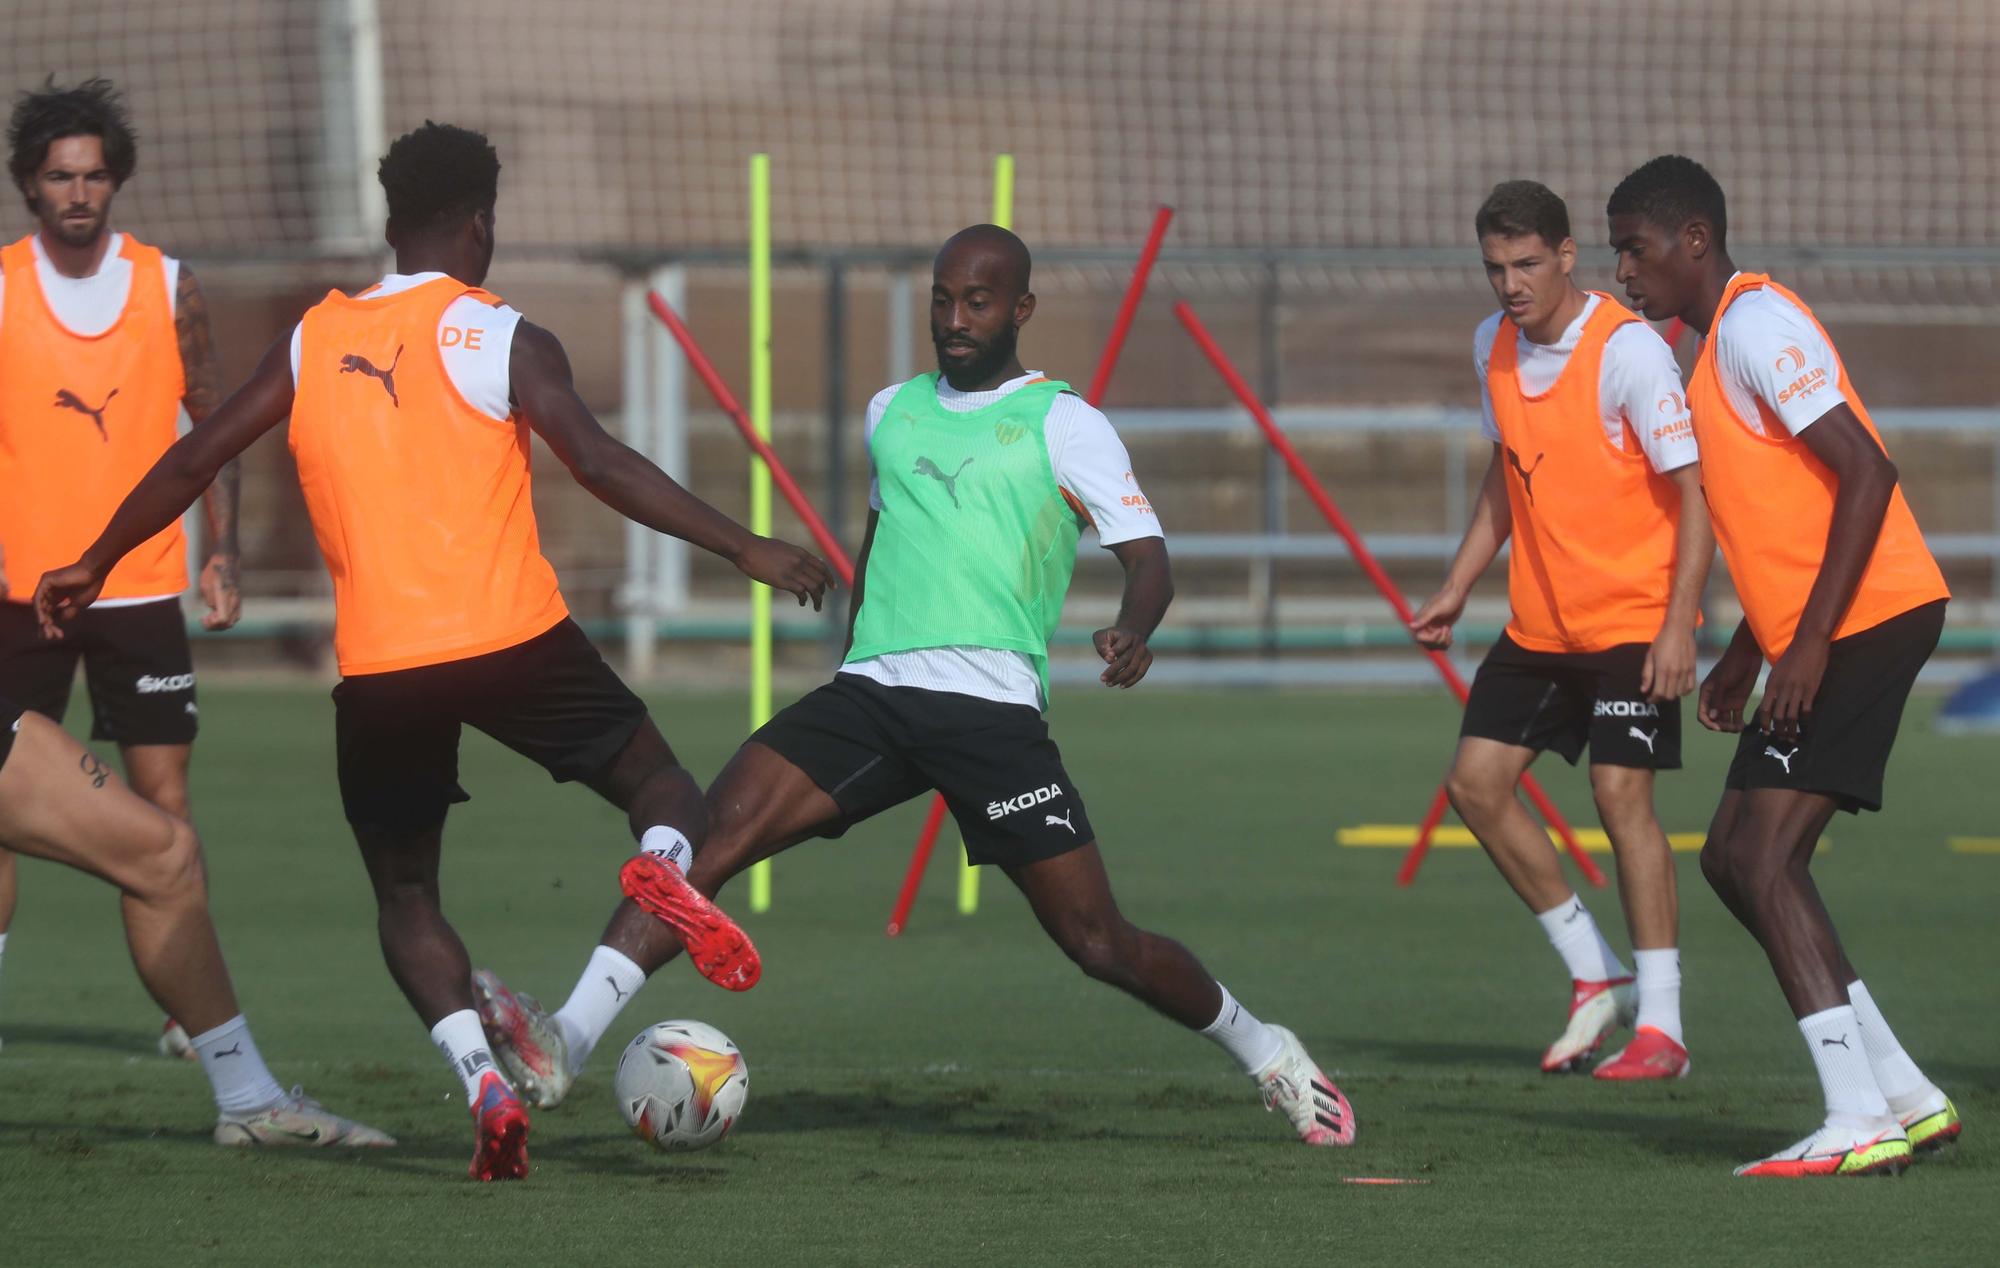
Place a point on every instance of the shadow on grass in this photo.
(1411, 1055)
(131, 1041)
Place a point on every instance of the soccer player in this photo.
(59, 802)
(1595, 478)
(411, 405)
(985, 475)
(1841, 596)
(103, 341)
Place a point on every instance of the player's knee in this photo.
(1474, 794)
(1738, 868)
(1102, 949)
(170, 871)
(1622, 788)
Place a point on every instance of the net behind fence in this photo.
(1287, 122)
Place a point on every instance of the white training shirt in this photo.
(1638, 383)
(1090, 461)
(1767, 349)
(482, 372)
(88, 306)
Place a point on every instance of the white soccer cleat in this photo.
(1295, 1084)
(1928, 1118)
(298, 1120)
(1840, 1149)
(1595, 1008)
(526, 1041)
(175, 1044)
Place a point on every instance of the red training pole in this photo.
(1120, 328)
(1407, 874)
(926, 840)
(1362, 555)
(1129, 306)
(706, 371)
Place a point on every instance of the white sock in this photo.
(1660, 990)
(609, 981)
(669, 845)
(235, 1068)
(1834, 1036)
(1902, 1084)
(1575, 937)
(463, 1042)
(1251, 1042)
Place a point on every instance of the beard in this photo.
(987, 359)
(69, 232)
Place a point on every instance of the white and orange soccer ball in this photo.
(681, 1085)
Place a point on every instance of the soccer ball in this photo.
(681, 1085)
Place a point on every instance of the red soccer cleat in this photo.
(1652, 1054)
(721, 951)
(502, 1121)
(1594, 1009)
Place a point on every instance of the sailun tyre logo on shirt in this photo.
(1001, 809)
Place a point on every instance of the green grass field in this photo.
(962, 1095)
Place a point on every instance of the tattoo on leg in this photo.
(93, 770)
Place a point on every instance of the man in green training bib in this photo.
(985, 477)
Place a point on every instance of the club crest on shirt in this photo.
(1008, 433)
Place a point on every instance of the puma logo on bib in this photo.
(66, 399)
(925, 467)
(355, 363)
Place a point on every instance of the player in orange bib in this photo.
(103, 341)
(1595, 478)
(411, 406)
(1840, 595)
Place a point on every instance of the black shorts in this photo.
(136, 664)
(870, 747)
(1843, 748)
(10, 723)
(551, 699)
(1560, 701)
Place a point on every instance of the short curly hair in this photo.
(49, 114)
(1669, 191)
(438, 174)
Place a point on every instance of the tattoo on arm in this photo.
(201, 394)
(93, 770)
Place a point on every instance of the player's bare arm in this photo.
(183, 473)
(860, 580)
(621, 478)
(201, 395)
(1727, 688)
(1668, 673)
(1492, 522)
(1867, 482)
(1149, 588)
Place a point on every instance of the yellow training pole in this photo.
(760, 475)
(1003, 215)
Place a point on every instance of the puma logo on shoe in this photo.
(1784, 759)
(236, 1051)
(1828, 1043)
(925, 467)
(355, 363)
(1527, 474)
(612, 982)
(1050, 821)
(1637, 734)
(66, 399)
